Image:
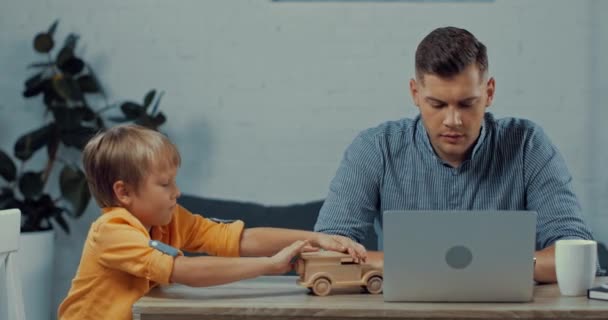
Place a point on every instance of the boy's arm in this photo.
(210, 271)
(198, 234)
(268, 241)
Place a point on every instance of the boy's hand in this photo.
(341, 244)
(282, 262)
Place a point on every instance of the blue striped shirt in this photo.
(513, 166)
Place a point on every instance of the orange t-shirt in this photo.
(118, 266)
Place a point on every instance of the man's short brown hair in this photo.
(127, 153)
(446, 52)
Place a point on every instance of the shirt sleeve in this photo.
(549, 193)
(204, 235)
(125, 247)
(352, 202)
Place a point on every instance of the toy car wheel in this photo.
(321, 287)
(374, 285)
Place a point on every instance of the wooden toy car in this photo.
(321, 271)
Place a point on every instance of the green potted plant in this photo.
(66, 85)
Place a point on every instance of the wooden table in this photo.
(279, 297)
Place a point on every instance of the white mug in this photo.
(575, 265)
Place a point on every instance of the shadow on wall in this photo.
(296, 216)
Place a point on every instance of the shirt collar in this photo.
(158, 232)
(153, 229)
(423, 137)
(481, 139)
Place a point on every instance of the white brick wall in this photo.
(263, 97)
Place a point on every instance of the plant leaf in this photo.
(100, 125)
(159, 119)
(78, 137)
(155, 108)
(43, 42)
(67, 88)
(53, 145)
(35, 214)
(72, 66)
(27, 144)
(33, 80)
(88, 114)
(31, 184)
(118, 119)
(50, 96)
(61, 221)
(70, 41)
(40, 65)
(64, 55)
(68, 119)
(132, 110)
(74, 189)
(7, 199)
(91, 73)
(148, 98)
(34, 86)
(88, 84)
(8, 170)
(53, 27)
(145, 121)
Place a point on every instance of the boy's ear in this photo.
(122, 192)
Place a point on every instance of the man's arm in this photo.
(549, 193)
(353, 199)
(544, 270)
(268, 241)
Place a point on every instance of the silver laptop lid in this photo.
(459, 255)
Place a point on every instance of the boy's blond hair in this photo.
(127, 153)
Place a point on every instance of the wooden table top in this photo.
(280, 297)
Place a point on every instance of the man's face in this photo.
(452, 110)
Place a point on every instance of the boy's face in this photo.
(156, 198)
(452, 110)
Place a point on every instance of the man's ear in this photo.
(122, 193)
(414, 91)
(490, 89)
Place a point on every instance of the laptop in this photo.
(459, 256)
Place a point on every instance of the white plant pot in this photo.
(35, 260)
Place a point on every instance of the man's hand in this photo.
(282, 262)
(341, 244)
(544, 269)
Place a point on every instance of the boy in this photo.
(131, 248)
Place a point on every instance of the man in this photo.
(454, 156)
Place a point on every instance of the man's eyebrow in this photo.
(431, 99)
(469, 98)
